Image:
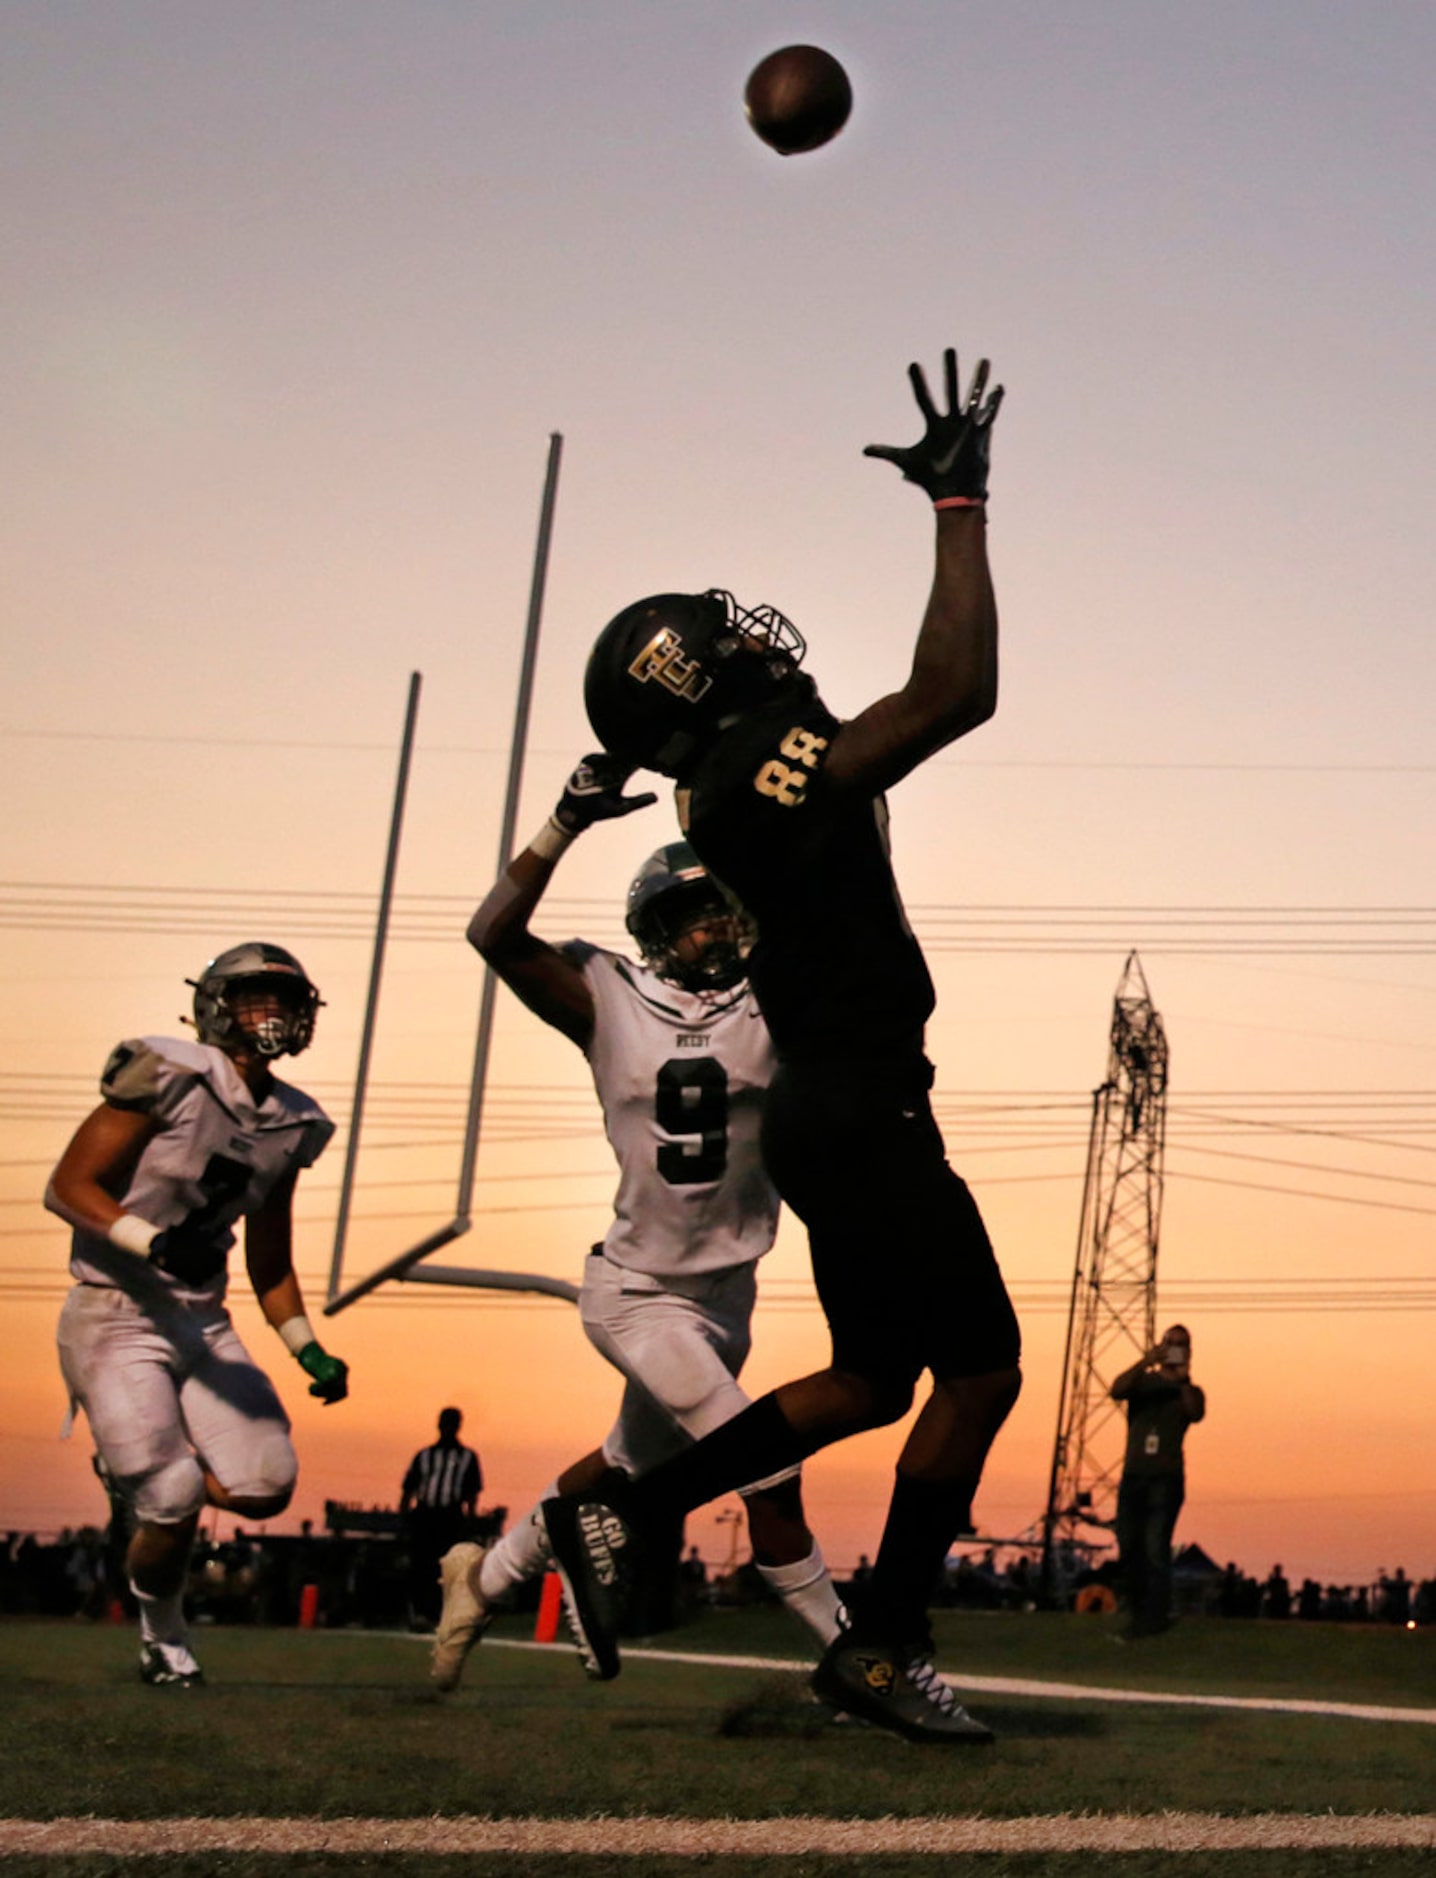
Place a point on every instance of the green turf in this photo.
(334, 1724)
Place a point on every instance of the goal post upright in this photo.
(403, 1266)
(376, 973)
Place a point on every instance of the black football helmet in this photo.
(671, 894)
(667, 671)
(255, 964)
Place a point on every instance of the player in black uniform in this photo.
(784, 804)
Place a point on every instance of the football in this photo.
(797, 99)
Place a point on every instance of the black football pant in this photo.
(1147, 1509)
(901, 1259)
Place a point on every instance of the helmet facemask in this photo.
(676, 917)
(671, 902)
(761, 629)
(286, 1025)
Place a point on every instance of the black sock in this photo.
(924, 1517)
(753, 1445)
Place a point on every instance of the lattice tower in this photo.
(1114, 1282)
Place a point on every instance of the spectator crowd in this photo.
(364, 1580)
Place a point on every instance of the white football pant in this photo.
(679, 1342)
(166, 1388)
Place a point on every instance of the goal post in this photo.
(409, 1265)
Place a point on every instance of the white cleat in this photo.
(465, 1616)
(170, 1666)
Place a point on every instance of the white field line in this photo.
(608, 1837)
(1048, 1691)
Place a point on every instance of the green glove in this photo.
(330, 1373)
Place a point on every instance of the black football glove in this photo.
(190, 1256)
(950, 461)
(594, 793)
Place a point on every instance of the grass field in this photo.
(336, 1726)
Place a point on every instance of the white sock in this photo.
(809, 1593)
(521, 1554)
(161, 1618)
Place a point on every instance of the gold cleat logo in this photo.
(878, 1674)
(662, 662)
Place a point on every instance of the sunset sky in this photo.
(294, 294)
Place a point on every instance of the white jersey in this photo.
(681, 1077)
(216, 1157)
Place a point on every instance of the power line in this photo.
(1204, 766)
(1069, 929)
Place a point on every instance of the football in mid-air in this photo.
(798, 98)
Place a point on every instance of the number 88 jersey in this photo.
(680, 1076)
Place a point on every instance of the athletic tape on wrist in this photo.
(961, 502)
(133, 1234)
(551, 841)
(296, 1334)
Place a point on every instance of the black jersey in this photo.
(836, 967)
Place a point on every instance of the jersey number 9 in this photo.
(691, 1104)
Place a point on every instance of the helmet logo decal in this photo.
(662, 660)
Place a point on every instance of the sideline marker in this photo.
(550, 1604)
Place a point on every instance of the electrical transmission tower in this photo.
(1114, 1281)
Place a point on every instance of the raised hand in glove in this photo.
(950, 460)
(594, 793)
(330, 1373)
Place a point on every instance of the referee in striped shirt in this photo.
(436, 1503)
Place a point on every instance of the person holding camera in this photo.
(1162, 1403)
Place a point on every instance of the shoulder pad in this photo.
(578, 951)
(317, 1136)
(133, 1075)
(149, 1073)
(317, 1131)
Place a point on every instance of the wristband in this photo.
(295, 1334)
(960, 502)
(551, 841)
(133, 1234)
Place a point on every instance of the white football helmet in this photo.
(256, 964)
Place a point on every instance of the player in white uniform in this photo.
(190, 1138)
(681, 1058)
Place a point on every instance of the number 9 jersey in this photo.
(681, 1077)
(216, 1156)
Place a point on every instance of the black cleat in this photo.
(896, 1688)
(593, 1551)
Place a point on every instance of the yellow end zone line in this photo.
(609, 1837)
(1047, 1691)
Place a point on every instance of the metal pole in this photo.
(376, 973)
(1060, 1456)
(517, 748)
